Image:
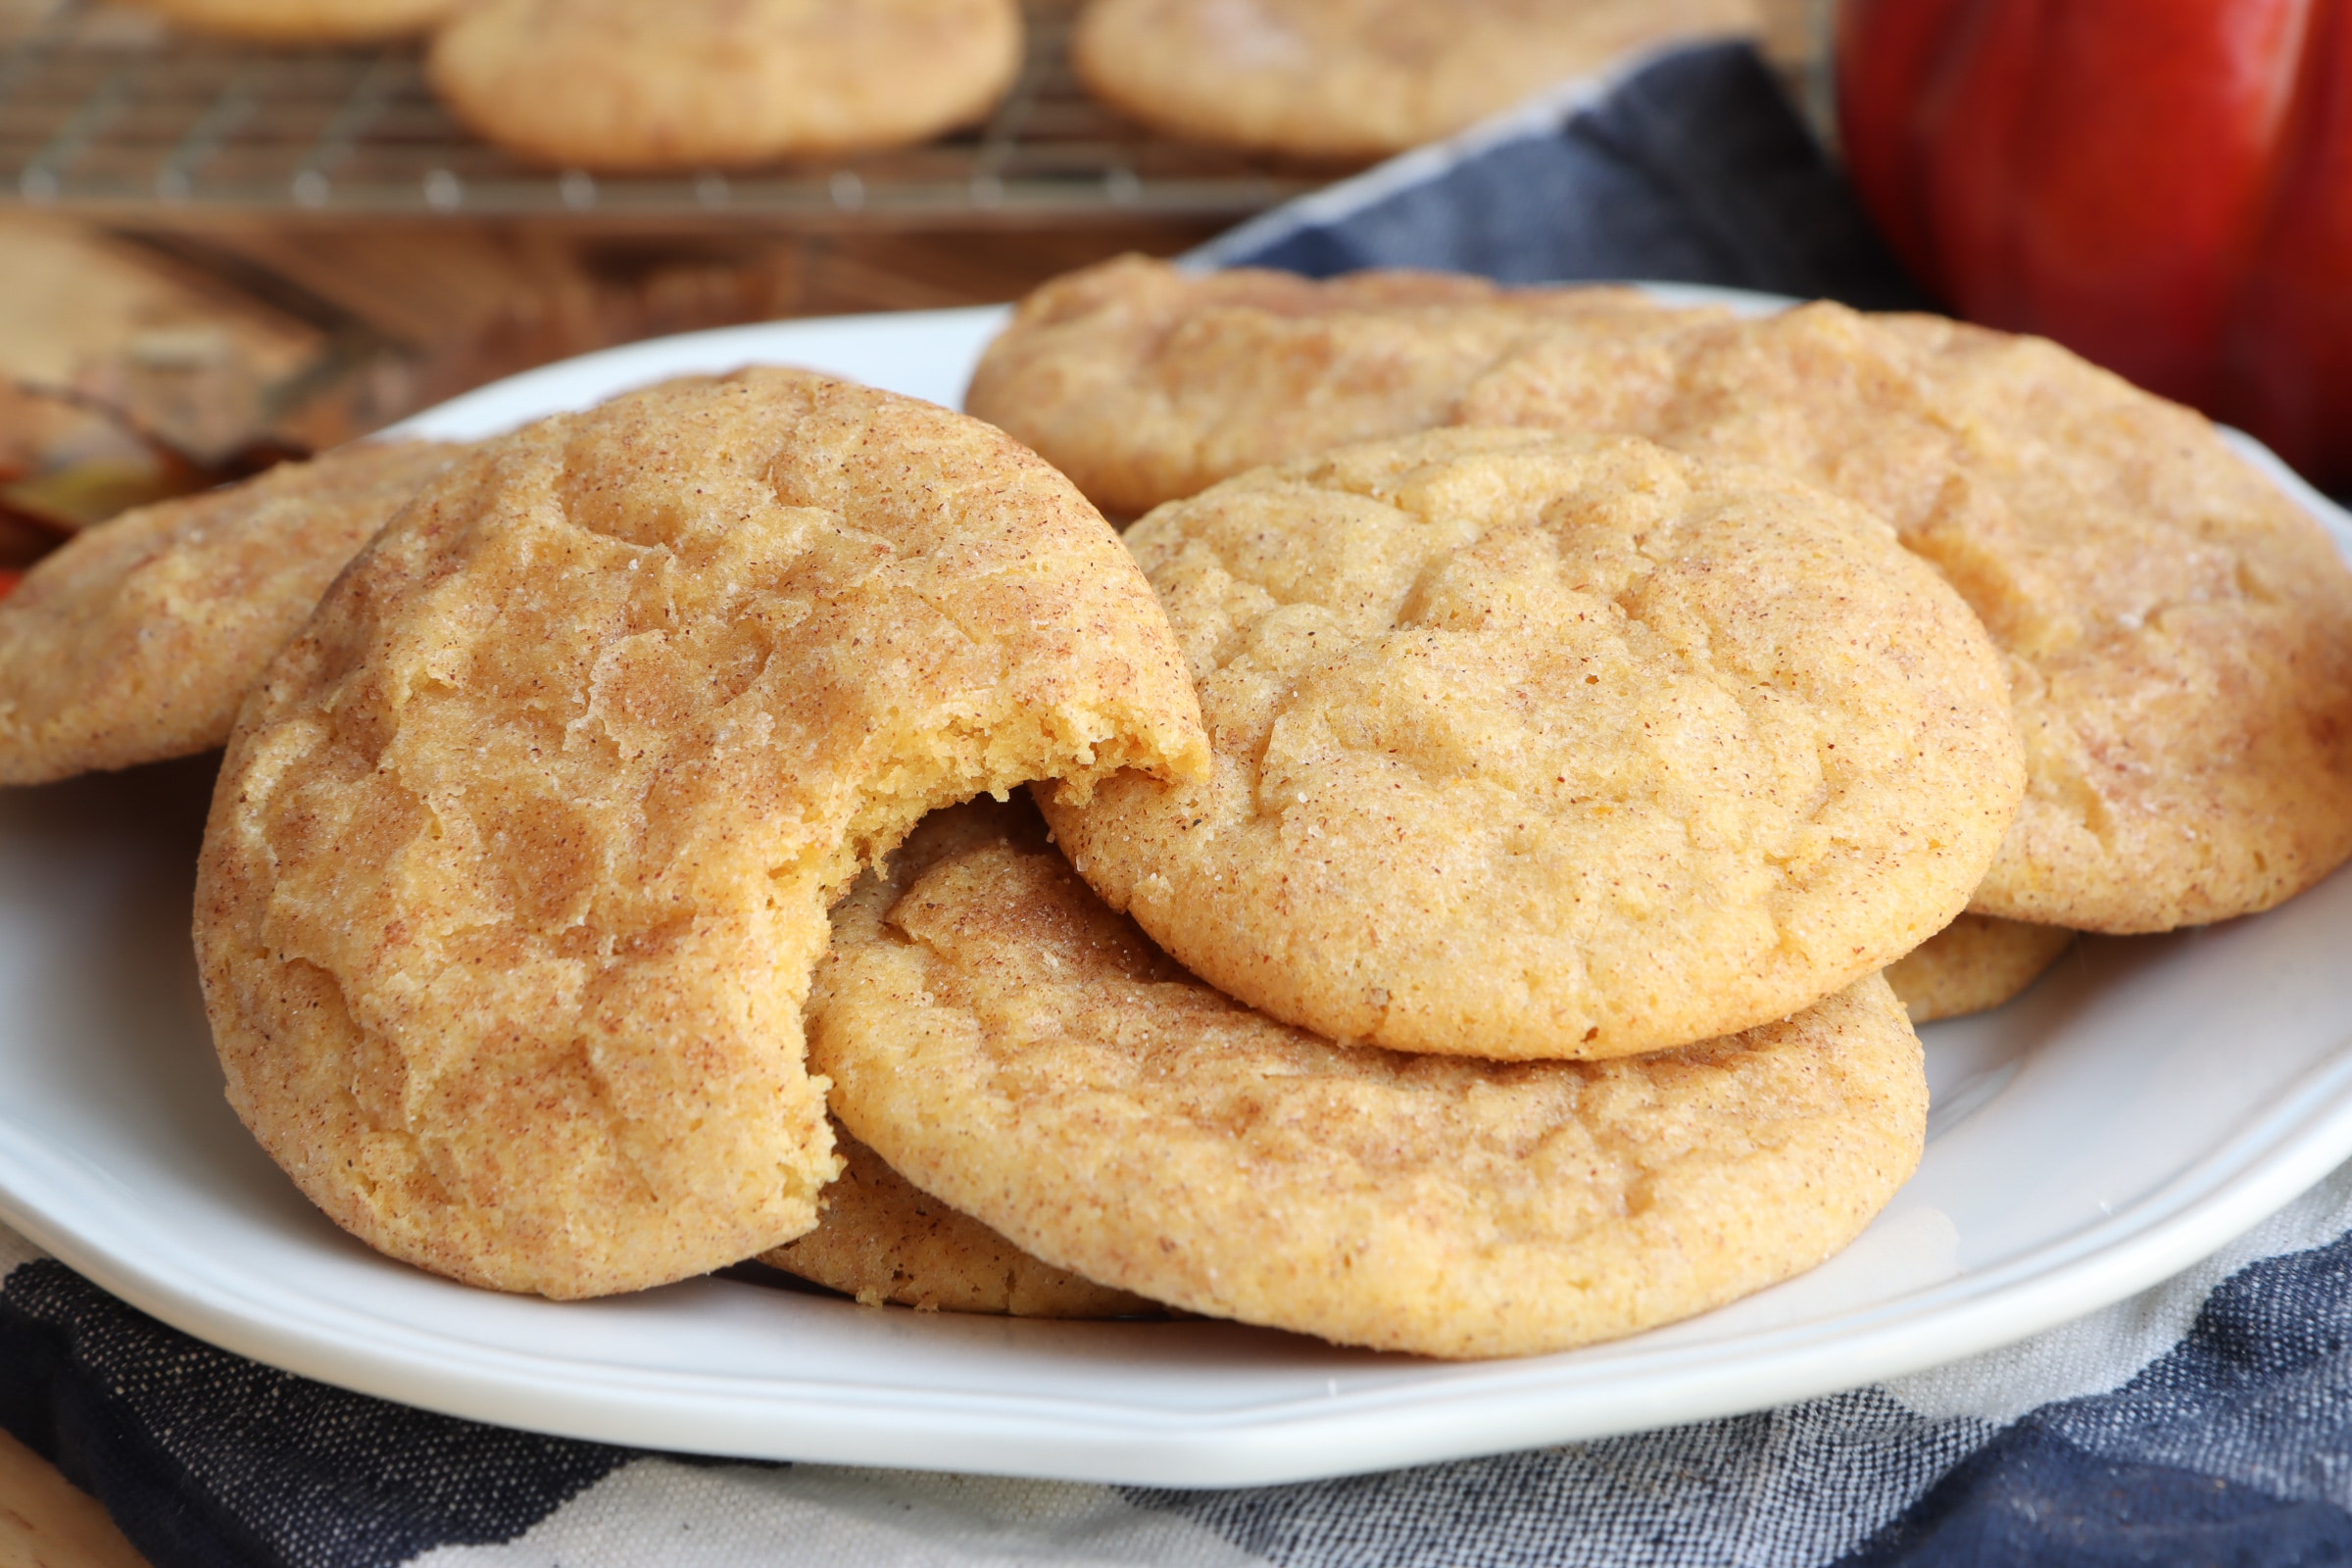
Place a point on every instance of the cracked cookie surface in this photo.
(136, 639)
(520, 855)
(1532, 746)
(1018, 1049)
(1144, 383)
(2179, 631)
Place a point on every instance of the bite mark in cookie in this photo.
(520, 856)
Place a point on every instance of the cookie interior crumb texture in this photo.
(520, 856)
(136, 639)
(1532, 746)
(1020, 1049)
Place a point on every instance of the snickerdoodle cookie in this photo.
(520, 855)
(1359, 78)
(1144, 383)
(137, 639)
(2178, 632)
(1017, 1048)
(1540, 746)
(1975, 963)
(624, 85)
(886, 1242)
(306, 22)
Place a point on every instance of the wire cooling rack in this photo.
(104, 113)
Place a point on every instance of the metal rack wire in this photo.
(104, 115)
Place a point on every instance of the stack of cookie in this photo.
(1534, 744)
(513, 904)
(2178, 634)
(520, 860)
(1472, 812)
(1510, 979)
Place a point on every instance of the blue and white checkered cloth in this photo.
(2206, 1421)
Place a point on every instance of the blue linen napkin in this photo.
(2207, 1420)
(1688, 168)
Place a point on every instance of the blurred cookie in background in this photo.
(619, 86)
(306, 22)
(1358, 79)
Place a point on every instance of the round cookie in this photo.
(520, 855)
(884, 1241)
(622, 85)
(1358, 79)
(1144, 383)
(1011, 1044)
(306, 21)
(1972, 965)
(2178, 632)
(1530, 746)
(136, 639)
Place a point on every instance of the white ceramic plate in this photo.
(2147, 1100)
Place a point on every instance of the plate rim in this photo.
(2271, 1161)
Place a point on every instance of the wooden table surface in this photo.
(47, 1522)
